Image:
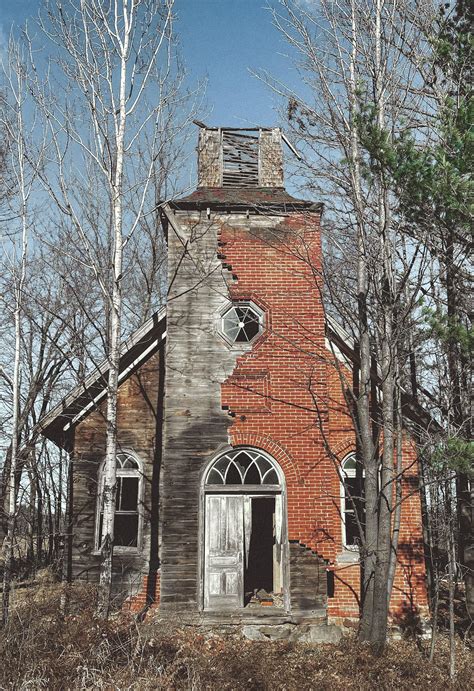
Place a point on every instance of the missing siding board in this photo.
(240, 159)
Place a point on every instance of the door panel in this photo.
(224, 546)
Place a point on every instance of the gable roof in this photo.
(58, 424)
(60, 421)
(344, 343)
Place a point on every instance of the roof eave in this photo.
(260, 207)
(59, 423)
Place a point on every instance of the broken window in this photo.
(127, 502)
(242, 322)
(352, 499)
(240, 467)
(239, 159)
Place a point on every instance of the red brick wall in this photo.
(146, 597)
(285, 396)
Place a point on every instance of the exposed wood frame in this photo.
(59, 422)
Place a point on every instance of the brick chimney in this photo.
(231, 157)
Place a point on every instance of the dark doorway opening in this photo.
(259, 576)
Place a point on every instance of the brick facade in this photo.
(293, 377)
(281, 394)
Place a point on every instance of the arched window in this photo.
(352, 500)
(242, 467)
(127, 502)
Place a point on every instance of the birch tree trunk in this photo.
(15, 75)
(110, 54)
(109, 489)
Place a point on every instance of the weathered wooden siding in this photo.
(209, 158)
(308, 583)
(271, 159)
(138, 417)
(195, 426)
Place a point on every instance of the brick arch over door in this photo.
(274, 449)
(295, 488)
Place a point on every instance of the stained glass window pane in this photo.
(271, 478)
(242, 467)
(129, 463)
(233, 477)
(214, 478)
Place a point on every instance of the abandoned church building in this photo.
(237, 450)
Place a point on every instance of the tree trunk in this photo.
(364, 431)
(20, 160)
(397, 514)
(110, 482)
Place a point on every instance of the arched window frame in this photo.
(242, 486)
(347, 507)
(122, 472)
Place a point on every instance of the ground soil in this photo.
(43, 648)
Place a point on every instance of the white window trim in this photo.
(254, 455)
(344, 474)
(241, 345)
(121, 472)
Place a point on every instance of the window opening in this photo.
(240, 467)
(239, 159)
(353, 502)
(127, 499)
(242, 323)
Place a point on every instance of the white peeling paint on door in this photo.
(247, 526)
(224, 558)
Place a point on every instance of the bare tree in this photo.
(351, 59)
(23, 177)
(107, 101)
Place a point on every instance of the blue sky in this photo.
(220, 39)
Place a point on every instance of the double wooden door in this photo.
(230, 551)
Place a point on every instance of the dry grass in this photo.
(41, 649)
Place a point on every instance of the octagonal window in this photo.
(242, 322)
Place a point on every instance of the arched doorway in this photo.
(244, 562)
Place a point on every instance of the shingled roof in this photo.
(252, 198)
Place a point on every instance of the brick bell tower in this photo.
(245, 392)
